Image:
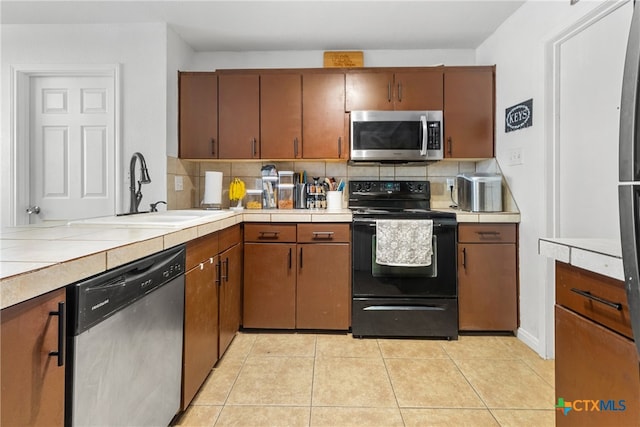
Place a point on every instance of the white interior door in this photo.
(72, 147)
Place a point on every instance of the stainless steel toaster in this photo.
(479, 192)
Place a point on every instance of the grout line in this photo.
(393, 390)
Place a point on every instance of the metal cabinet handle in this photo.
(290, 260)
(213, 146)
(449, 145)
(464, 258)
(339, 147)
(389, 91)
(61, 333)
(301, 258)
(323, 234)
(400, 91)
(295, 147)
(587, 294)
(227, 268)
(253, 147)
(268, 234)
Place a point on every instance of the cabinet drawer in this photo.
(229, 237)
(320, 232)
(201, 249)
(599, 298)
(487, 233)
(270, 233)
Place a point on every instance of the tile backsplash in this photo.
(191, 174)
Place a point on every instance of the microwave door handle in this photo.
(423, 121)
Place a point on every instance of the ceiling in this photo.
(265, 25)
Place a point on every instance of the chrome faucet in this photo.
(136, 196)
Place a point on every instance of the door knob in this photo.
(33, 210)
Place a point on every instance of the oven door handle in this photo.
(372, 223)
(423, 121)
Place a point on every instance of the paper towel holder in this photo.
(212, 199)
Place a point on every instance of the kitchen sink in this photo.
(171, 218)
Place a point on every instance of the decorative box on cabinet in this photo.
(596, 358)
(487, 277)
(32, 359)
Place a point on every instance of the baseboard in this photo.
(532, 341)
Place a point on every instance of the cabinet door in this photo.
(487, 290)
(369, 90)
(323, 130)
(230, 295)
(281, 116)
(419, 90)
(32, 382)
(239, 116)
(323, 301)
(200, 327)
(269, 286)
(468, 112)
(593, 362)
(198, 115)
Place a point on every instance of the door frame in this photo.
(21, 76)
(553, 65)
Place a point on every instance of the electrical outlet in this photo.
(449, 182)
(515, 157)
(178, 184)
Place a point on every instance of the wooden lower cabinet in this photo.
(33, 384)
(303, 281)
(230, 296)
(487, 277)
(200, 327)
(323, 293)
(269, 285)
(595, 363)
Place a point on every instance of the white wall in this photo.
(179, 57)
(519, 50)
(209, 61)
(141, 49)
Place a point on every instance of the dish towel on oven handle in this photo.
(404, 242)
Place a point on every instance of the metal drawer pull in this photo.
(588, 294)
(488, 233)
(322, 234)
(464, 258)
(61, 334)
(272, 234)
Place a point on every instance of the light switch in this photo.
(178, 183)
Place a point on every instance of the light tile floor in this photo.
(299, 379)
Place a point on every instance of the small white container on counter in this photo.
(334, 200)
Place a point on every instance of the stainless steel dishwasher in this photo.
(125, 344)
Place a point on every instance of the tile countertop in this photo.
(40, 258)
(602, 256)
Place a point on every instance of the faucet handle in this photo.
(154, 206)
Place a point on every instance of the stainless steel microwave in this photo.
(396, 136)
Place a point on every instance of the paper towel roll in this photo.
(212, 188)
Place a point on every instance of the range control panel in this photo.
(389, 187)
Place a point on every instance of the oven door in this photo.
(372, 280)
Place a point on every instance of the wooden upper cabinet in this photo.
(239, 116)
(401, 90)
(324, 132)
(198, 115)
(369, 90)
(419, 90)
(281, 116)
(469, 112)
